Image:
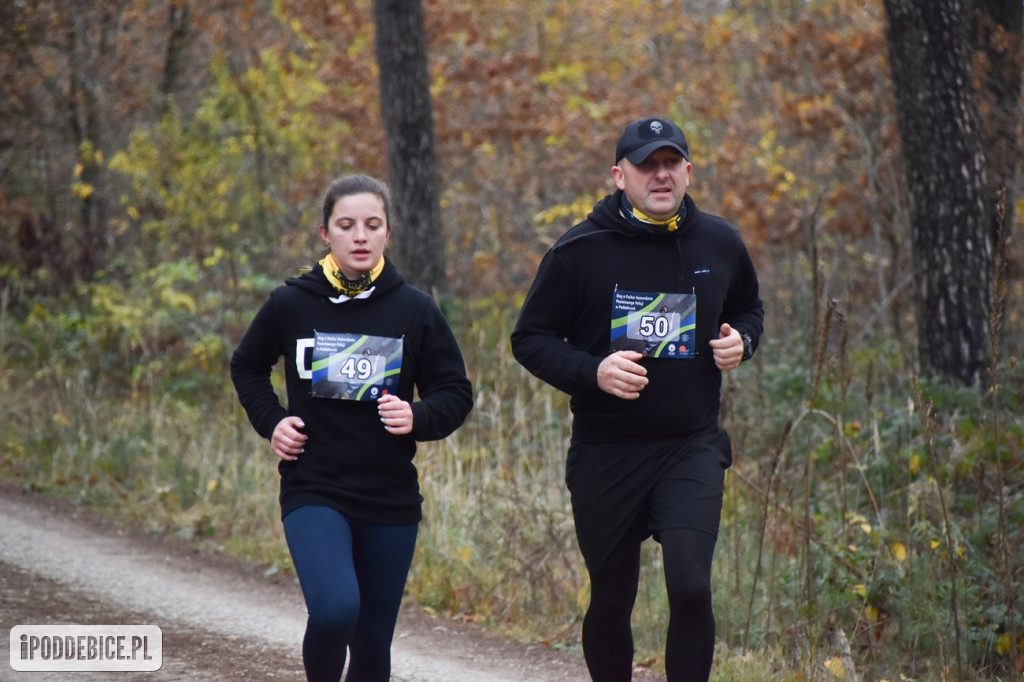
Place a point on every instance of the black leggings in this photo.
(690, 643)
(352, 574)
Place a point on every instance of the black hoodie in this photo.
(564, 327)
(350, 462)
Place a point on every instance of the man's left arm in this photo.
(742, 321)
(728, 349)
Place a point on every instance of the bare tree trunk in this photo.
(179, 19)
(87, 118)
(998, 38)
(407, 111)
(945, 166)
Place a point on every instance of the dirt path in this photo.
(221, 619)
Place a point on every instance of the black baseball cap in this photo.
(643, 136)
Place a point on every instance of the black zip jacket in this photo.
(350, 461)
(564, 327)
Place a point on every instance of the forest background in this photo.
(160, 168)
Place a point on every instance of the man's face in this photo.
(656, 185)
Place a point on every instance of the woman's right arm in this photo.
(251, 365)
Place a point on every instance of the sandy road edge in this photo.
(172, 581)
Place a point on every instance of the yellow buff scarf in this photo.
(637, 217)
(349, 287)
(672, 223)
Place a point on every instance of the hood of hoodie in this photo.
(316, 282)
(607, 215)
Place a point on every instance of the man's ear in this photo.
(618, 177)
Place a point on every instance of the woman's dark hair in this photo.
(347, 185)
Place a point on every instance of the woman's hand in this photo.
(395, 413)
(287, 441)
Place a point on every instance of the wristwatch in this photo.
(748, 345)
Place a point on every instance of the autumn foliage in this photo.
(161, 165)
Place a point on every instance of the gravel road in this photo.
(220, 618)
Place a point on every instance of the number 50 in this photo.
(654, 325)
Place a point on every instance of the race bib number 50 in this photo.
(355, 366)
(656, 324)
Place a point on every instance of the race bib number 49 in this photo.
(655, 324)
(355, 366)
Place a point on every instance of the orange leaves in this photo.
(814, 113)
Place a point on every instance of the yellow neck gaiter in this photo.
(349, 287)
(637, 217)
(672, 224)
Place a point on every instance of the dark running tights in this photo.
(690, 643)
(352, 575)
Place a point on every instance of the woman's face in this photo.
(357, 233)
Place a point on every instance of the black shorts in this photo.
(623, 493)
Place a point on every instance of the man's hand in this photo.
(287, 441)
(727, 349)
(623, 376)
